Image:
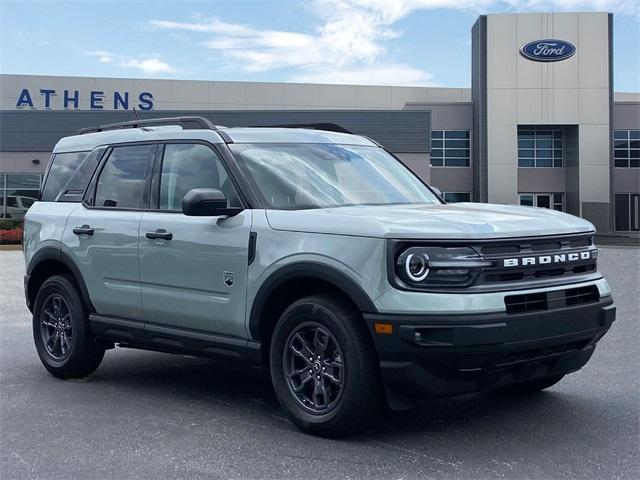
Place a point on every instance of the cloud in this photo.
(148, 64)
(384, 74)
(344, 49)
(349, 44)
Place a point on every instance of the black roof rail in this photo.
(187, 123)
(328, 127)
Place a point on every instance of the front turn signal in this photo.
(383, 328)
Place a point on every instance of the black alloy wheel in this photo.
(314, 367)
(55, 326)
(61, 330)
(324, 366)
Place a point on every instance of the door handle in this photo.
(160, 233)
(83, 230)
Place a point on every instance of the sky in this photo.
(378, 42)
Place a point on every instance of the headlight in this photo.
(416, 266)
(422, 267)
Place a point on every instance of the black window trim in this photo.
(246, 194)
(90, 193)
(157, 174)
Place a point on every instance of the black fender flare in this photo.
(313, 270)
(56, 254)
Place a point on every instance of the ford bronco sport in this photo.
(314, 253)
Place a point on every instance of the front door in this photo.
(193, 270)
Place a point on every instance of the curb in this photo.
(10, 247)
(618, 241)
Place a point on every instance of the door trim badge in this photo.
(228, 278)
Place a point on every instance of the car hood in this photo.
(451, 221)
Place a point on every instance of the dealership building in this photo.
(541, 124)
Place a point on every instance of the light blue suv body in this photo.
(201, 240)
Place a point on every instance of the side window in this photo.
(123, 180)
(63, 166)
(190, 165)
(80, 179)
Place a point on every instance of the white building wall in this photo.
(574, 91)
(203, 95)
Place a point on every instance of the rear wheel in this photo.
(533, 386)
(323, 366)
(61, 331)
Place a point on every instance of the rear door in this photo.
(102, 233)
(193, 270)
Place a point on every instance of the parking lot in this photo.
(151, 415)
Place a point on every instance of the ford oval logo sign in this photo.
(548, 50)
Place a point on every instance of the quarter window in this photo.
(63, 166)
(540, 147)
(124, 177)
(626, 148)
(187, 166)
(450, 148)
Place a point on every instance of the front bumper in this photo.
(440, 355)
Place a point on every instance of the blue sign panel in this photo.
(549, 50)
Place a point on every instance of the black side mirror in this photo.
(207, 202)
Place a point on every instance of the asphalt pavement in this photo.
(157, 416)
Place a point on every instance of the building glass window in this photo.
(627, 212)
(455, 197)
(18, 191)
(626, 148)
(450, 148)
(540, 147)
(543, 200)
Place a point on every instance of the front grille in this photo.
(537, 259)
(533, 302)
(537, 244)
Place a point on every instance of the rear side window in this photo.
(62, 169)
(124, 177)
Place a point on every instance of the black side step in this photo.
(161, 338)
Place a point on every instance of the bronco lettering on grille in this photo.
(548, 259)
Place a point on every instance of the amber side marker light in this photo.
(383, 328)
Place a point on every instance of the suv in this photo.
(315, 253)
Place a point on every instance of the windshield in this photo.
(297, 176)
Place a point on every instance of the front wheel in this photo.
(323, 366)
(61, 331)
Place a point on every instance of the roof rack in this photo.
(187, 123)
(329, 127)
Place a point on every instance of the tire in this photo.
(73, 353)
(533, 386)
(323, 406)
